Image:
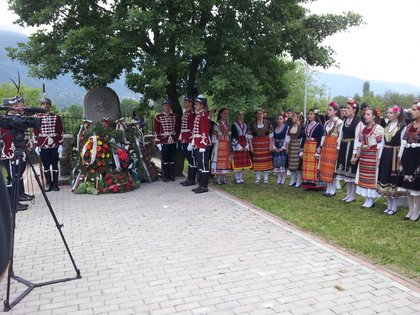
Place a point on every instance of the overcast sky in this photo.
(386, 48)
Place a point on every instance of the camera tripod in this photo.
(19, 154)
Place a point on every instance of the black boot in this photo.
(171, 172)
(21, 207)
(204, 183)
(188, 177)
(55, 181)
(165, 172)
(192, 173)
(199, 174)
(22, 196)
(48, 185)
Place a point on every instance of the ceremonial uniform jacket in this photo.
(187, 125)
(8, 148)
(201, 130)
(166, 128)
(51, 133)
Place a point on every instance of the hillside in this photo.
(62, 90)
(338, 84)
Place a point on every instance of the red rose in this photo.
(109, 181)
(115, 188)
(119, 177)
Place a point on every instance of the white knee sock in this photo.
(258, 176)
(292, 178)
(283, 178)
(299, 178)
(410, 202)
(333, 187)
(278, 178)
(265, 176)
(416, 207)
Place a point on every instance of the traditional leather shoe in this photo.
(414, 220)
(21, 207)
(202, 190)
(406, 218)
(188, 183)
(165, 179)
(196, 189)
(25, 197)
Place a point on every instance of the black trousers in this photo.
(202, 160)
(49, 157)
(12, 167)
(168, 153)
(189, 155)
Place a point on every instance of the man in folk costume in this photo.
(166, 132)
(49, 144)
(185, 137)
(201, 143)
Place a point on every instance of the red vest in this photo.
(187, 125)
(166, 128)
(51, 133)
(201, 130)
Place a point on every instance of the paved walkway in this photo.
(151, 252)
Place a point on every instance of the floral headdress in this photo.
(333, 105)
(396, 109)
(352, 102)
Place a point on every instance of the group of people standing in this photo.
(47, 142)
(372, 161)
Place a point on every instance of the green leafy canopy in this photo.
(227, 49)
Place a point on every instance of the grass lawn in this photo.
(385, 240)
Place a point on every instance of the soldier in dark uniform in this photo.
(49, 144)
(201, 143)
(166, 132)
(187, 124)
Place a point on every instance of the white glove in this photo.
(202, 150)
(159, 146)
(190, 147)
(38, 150)
(300, 154)
(60, 149)
(239, 147)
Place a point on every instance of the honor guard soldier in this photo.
(201, 143)
(49, 144)
(166, 132)
(8, 157)
(187, 124)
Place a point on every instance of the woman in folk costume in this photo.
(280, 149)
(330, 145)
(220, 161)
(241, 159)
(311, 141)
(294, 138)
(409, 179)
(388, 167)
(349, 137)
(261, 144)
(369, 150)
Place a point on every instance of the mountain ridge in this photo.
(65, 92)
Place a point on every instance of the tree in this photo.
(127, 106)
(74, 110)
(295, 85)
(225, 49)
(31, 95)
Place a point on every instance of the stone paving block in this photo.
(143, 254)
